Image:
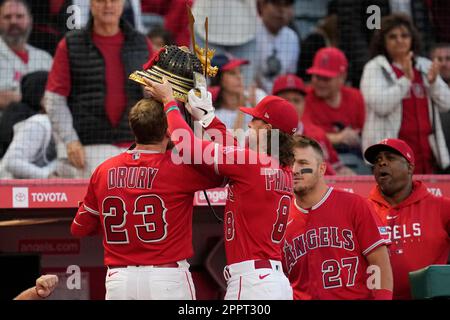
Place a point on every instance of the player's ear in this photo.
(322, 168)
(410, 169)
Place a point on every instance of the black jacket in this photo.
(87, 98)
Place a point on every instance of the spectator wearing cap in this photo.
(416, 222)
(292, 88)
(229, 92)
(277, 45)
(335, 107)
(17, 57)
(404, 95)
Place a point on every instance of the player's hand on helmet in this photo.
(159, 91)
(201, 107)
(46, 284)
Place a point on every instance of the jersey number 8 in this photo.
(279, 226)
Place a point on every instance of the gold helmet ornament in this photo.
(178, 65)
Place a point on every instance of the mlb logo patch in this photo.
(382, 230)
(136, 156)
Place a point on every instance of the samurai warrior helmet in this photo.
(178, 65)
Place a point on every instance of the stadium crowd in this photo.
(65, 93)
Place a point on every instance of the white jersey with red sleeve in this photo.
(325, 247)
(143, 201)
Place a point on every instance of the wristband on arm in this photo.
(170, 106)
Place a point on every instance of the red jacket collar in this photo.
(419, 192)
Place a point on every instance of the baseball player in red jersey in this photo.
(331, 237)
(417, 222)
(259, 192)
(144, 209)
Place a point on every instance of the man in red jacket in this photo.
(417, 222)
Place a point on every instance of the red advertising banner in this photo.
(66, 193)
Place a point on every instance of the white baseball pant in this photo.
(150, 283)
(257, 280)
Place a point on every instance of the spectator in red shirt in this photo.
(88, 94)
(336, 108)
(292, 88)
(404, 95)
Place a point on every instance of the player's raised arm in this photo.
(201, 108)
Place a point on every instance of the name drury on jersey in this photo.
(131, 177)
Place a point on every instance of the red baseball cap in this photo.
(393, 145)
(280, 113)
(226, 62)
(288, 82)
(329, 62)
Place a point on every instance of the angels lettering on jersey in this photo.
(324, 237)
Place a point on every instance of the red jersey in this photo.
(257, 207)
(325, 247)
(259, 194)
(418, 228)
(143, 207)
(350, 113)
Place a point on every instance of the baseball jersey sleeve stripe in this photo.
(375, 245)
(78, 224)
(91, 210)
